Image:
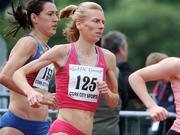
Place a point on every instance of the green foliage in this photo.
(168, 1)
(106, 4)
(149, 27)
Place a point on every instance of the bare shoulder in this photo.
(62, 46)
(61, 49)
(27, 41)
(57, 52)
(171, 61)
(172, 64)
(26, 45)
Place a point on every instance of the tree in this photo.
(149, 27)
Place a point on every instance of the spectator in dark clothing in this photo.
(116, 42)
(125, 90)
(163, 96)
(106, 120)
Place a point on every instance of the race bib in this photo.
(82, 82)
(43, 77)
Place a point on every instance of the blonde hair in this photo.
(154, 58)
(73, 12)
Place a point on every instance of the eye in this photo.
(96, 20)
(50, 14)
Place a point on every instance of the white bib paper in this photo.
(82, 82)
(43, 77)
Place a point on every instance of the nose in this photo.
(55, 18)
(101, 25)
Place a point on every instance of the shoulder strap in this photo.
(163, 91)
(155, 91)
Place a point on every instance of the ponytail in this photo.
(21, 19)
(67, 12)
(71, 32)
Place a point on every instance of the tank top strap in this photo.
(30, 35)
(101, 55)
(72, 54)
(39, 51)
(73, 48)
(156, 88)
(38, 43)
(163, 91)
(101, 61)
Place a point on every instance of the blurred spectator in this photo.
(163, 96)
(3, 52)
(3, 58)
(106, 119)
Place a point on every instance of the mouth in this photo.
(54, 27)
(99, 34)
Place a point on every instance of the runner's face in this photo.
(47, 20)
(93, 25)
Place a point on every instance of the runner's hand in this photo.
(102, 87)
(50, 100)
(34, 98)
(158, 113)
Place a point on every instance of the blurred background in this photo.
(150, 26)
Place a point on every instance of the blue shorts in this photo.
(28, 127)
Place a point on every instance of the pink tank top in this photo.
(176, 91)
(76, 84)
